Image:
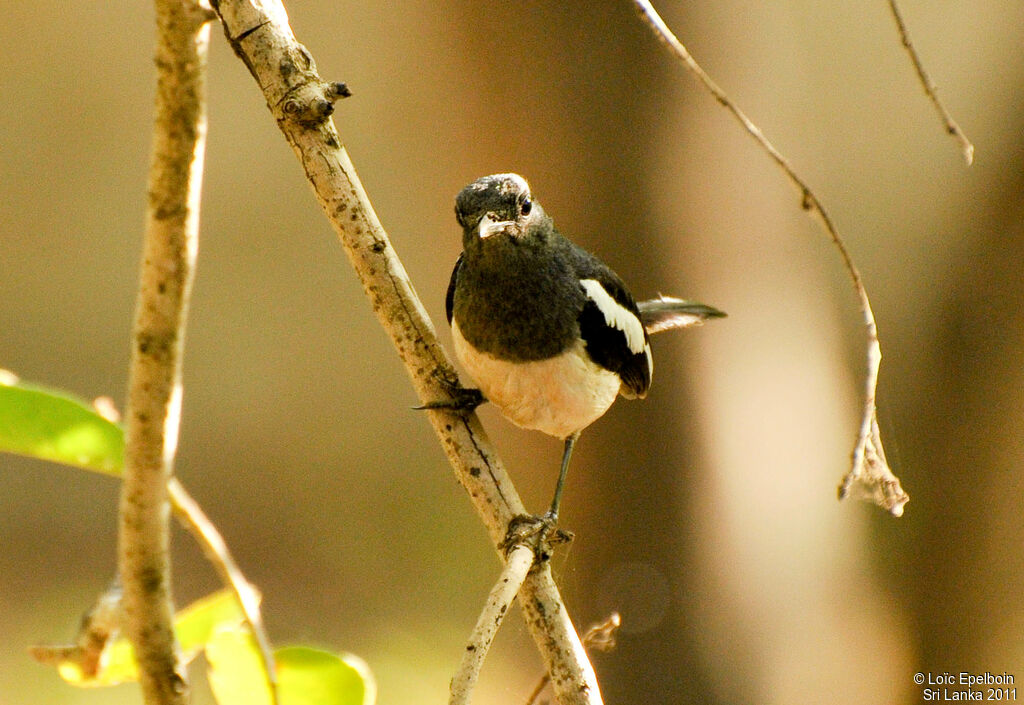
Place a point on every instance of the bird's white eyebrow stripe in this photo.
(616, 315)
(519, 181)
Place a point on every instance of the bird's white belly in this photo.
(559, 396)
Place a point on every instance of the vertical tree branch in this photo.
(302, 102)
(154, 387)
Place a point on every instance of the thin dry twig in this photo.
(193, 518)
(154, 388)
(600, 636)
(100, 625)
(930, 89)
(869, 475)
(517, 565)
(301, 103)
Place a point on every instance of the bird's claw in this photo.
(539, 532)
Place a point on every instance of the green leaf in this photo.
(308, 676)
(50, 425)
(305, 676)
(196, 624)
(236, 669)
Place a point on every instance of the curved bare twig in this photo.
(869, 475)
(194, 519)
(951, 125)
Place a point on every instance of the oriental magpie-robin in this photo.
(547, 331)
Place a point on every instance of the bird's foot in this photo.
(539, 532)
(461, 399)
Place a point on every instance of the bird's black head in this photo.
(497, 206)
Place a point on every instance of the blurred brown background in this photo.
(706, 515)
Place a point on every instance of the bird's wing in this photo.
(449, 298)
(668, 313)
(611, 328)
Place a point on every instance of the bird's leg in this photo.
(541, 531)
(570, 443)
(463, 399)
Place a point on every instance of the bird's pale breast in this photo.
(558, 396)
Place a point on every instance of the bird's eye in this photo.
(526, 207)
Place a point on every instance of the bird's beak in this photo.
(489, 226)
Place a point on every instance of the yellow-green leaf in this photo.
(50, 425)
(236, 669)
(307, 676)
(196, 624)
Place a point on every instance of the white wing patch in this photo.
(616, 316)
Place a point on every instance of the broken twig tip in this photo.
(338, 90)
(601, 636)
(968, 151)
(930, 89)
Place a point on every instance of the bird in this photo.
(548, 332)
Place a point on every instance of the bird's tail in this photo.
(668, 312)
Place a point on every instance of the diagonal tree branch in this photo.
(869, 476)
(952, 127)
(154, 387)
(301, 103)
(517, 565)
